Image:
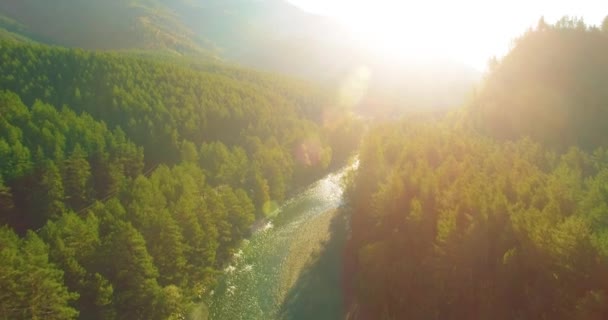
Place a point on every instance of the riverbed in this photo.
(291, 267)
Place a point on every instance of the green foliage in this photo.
(176, 28)
(132, 271)
(12, 30)
(165, 107)
(447, 224)
(75, 244)
(102, 25)
(550, 87)
(52, 191)
(223, 165)
(504, 221)
(77, 176)
(55, 159)
(216, 144)
(30, 286)
(7, 206)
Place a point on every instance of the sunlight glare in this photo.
(408, 30)
(466, 31)
(354, 87)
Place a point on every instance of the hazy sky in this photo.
(468, 31)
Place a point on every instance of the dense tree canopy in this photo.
(448, 225)
(551, 87)
(499, 211)
(31, 287)
(141, 176)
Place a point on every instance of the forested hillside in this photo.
(268, 34)
(271, 35)
(550, 87)
(130, 180)
(112, 24)
(500, 210)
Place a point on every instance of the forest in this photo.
(127, 180)
(498, 210)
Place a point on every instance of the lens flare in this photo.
(308, 153)
(354, 87)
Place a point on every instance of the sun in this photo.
(465, 31)
(404, 30)
(392, 35)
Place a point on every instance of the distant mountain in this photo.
(265, 34)
(271, 35)
(109, 24)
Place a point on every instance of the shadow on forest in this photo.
(317, 293)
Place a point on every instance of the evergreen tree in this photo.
(74, 243)
(8, 214)
(77, 178)
(132, 273)
(85, 126)
(52, 191)
(30, 286)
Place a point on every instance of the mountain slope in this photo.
(272, 35)
(141, 176)
(550, 87)
(501, 216)
(102, 24)
(258, 33)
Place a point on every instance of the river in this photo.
(290, 268)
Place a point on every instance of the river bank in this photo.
(291, 267)
(313, 270)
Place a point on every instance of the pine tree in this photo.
(8, 213)
(30, 286)
(130, 269)
(74, 243)
(51, 193)
(77, 178)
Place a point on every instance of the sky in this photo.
(466, 31)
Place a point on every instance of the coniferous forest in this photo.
(498, 210)
(126, 182)
(129, 180)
